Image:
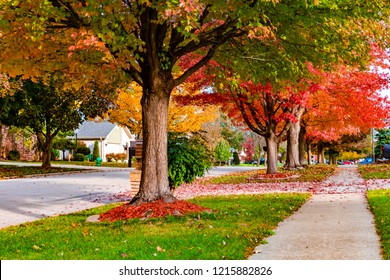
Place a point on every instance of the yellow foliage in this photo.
(128, 112)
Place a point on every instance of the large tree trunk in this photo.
(321, 153)
(272, 153)
(302, 146)
(292, 161)
(154, 183)
(309, 153)
(46, 152)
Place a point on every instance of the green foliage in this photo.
(237, 225)
(83, 150)
(63, 144)
(222, 151)
(188, 158)
(96, 150)
(379, 201)
(55, 153)
(79, 157)
(236, 158)
(47, 109)
(13, 155)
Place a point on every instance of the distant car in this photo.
(366, 161)
(348, 162)
(386, 151)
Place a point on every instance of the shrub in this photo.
(13, 155)
(83, 150)
(116, 157)
(55, 154)
(96, 150)
(236, 159)
(188, 158)
(79, 157)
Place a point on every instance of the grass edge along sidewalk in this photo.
(237, 225)
(379, 202)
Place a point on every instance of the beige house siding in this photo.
(115, 136)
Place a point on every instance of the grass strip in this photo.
(238, 224)
(379, 201)
(312, 173)
(375, 171)
(10, 171)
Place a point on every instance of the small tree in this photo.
(96, 151)
(188, 158)
(236, 158)
(222, 151)
(63, 144)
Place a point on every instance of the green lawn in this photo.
(379, 201)
(375, 171)
(312, 173)
(238, 224)
(10, 171)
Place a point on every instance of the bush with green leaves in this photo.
(96, 150)
(188, 158)
(79, 157)
(13, 155)
(83, 150)
(236, 158)
(55, 154)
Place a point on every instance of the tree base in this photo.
(138, 199)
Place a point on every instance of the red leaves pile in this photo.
(151, 210)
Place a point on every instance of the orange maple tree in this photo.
(127, 111)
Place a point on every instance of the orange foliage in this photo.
(181, 118)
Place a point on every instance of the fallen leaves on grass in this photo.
(153, 209)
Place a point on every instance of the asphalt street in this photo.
(28, 199)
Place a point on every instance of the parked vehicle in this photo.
(348, 162)
(366, 161)
(386, 151)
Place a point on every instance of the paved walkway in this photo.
(328, 227)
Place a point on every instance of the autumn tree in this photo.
(127, 111)
(144, 40)
(349, 103)
(47, 110)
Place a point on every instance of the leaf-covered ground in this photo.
(10, 171)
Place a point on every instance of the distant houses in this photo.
(111, 137)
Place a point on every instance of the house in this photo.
(112, 138)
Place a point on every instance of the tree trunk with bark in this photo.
(272, 153)
(309, 153)
(302, 146)
(321, 153)
(292, 160)
(154, 183)
(46, 153)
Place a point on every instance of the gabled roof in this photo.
(94, 130)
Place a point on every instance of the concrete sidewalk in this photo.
(327, 227)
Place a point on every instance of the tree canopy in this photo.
(144, 41)
(47, 110)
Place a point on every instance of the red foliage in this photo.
(153, 209)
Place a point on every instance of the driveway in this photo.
(29, 199)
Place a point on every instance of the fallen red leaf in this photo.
(153, 209)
